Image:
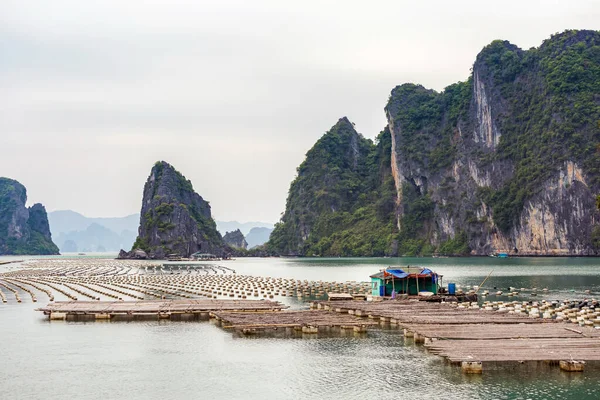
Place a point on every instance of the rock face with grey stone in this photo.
(23, 230)
(174, 219)
(235, 239)
(258, 236)
(507, 161)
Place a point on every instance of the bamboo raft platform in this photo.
(473, 338)
(154, 308)
(522, 350)
(300, 321)
(473, 335)
(418, 312)
(502, 331)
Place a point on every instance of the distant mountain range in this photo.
(229, 226)
(256, 233)
(257, 236)
(74, 232)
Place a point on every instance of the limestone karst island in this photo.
(300, 200)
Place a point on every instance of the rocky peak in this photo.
(174, 218)
(479, 161)
(22, 230)
(38, 220)
(235, 239)
(339, 176)
(562, 41)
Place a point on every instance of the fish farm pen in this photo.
(475, 336)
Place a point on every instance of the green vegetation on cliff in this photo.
(466, 162)
(539, 109)
(174, 218)
(342, 201)
(23, 231)
(428, 121)
(552, 94)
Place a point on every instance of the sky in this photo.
(231, 93)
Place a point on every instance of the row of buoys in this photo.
(41, 289)
(585, 313)
(211, 290)
(61, 291)
(511, 291)
(81, 292)
(114, 296)
(33, 298)
(122, 292)
(2, 296)
(12, 290)
(114, 279)
(138, 289)
(75, 281)
(87, 267)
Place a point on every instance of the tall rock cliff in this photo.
(508, 161)
(22, 230)
(342, 199)
(174, 219)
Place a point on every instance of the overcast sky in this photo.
(232, 93)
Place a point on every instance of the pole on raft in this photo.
(486, 278)
(417, 278)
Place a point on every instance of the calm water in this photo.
(195, 360)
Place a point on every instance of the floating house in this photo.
(410, 280)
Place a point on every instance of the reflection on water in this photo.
(181, 360)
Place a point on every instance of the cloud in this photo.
(233, 93)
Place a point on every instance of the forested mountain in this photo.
(342, 201)
(506, 161)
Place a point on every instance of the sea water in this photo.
(41, 359)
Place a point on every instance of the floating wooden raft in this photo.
(501, 331)
(517, 350)
(478, 337)
(163, 307)
(307, 321)
(418, 312)
(339, 296)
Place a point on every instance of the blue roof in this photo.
(398, 273)
(401, 274)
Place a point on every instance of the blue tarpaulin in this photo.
(398, 273)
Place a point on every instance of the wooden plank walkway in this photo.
(419, 312)
(159, 307)
(517, 350)
(467, 336)
(307, 321)
(461, 335)
(501, 331)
